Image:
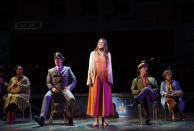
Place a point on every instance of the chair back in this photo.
(28, 93)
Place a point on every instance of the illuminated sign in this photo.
(32, 25)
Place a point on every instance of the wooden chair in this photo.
(54, 109)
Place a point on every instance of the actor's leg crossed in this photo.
(143, 94)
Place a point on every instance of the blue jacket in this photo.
(176, 86)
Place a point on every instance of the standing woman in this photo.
(100, 79)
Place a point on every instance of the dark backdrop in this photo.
(135, 30)
(128, 48)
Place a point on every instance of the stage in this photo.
(124, 118)
(122, 123)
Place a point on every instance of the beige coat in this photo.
(91, 70)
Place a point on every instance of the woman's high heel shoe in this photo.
(96, 124)
(105, 123)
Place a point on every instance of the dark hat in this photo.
(58, 55)
(141, 65)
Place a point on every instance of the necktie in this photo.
(146, 82)
(59, 69)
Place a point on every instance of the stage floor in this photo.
(115, 124)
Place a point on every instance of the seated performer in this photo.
(171, 95)
(3, 94)
(58, 82)
(144, 88)
(18, 92)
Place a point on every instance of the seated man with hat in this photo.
(144, 89)
(58, 82)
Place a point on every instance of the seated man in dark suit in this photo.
(58, 82)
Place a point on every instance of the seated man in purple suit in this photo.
(58, 82)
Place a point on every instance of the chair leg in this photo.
(51, 117)
(156, 115)
(65, 115)
(140, 114)
(65, 119)
(30, 112)
(165, 114)
(13, 116)
(170, 114)
(51, 114)
(8, 116)
(23, 115)
(153, 110)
